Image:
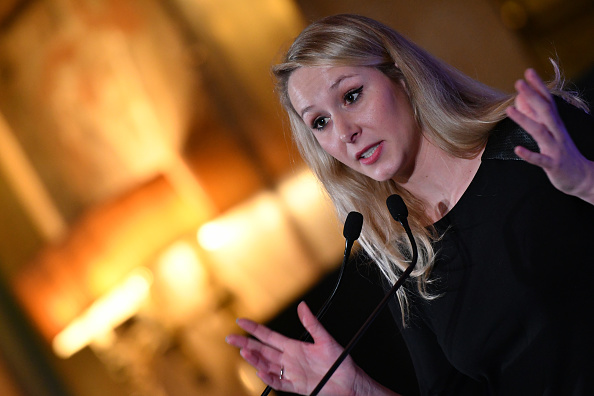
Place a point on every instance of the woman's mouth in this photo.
(369, 151)
(371, 155)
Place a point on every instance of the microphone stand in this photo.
(352, 229)
(401, 218)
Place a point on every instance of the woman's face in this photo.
(360, 117)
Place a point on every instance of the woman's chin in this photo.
(382, 175)
(381, 178)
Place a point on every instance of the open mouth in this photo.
(369, 152)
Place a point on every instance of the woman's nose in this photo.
(348, 132)
(349, 137)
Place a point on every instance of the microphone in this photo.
(399, 212)
(398, 209)
(352, 226)
(351, 232)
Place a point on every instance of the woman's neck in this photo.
(440, 179)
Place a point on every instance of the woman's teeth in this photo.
(369, 152)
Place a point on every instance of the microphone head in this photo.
(352, 226)
(397, 207)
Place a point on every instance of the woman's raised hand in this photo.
(535, 111)
(295, 366)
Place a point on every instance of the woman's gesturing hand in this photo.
(535, 111)
(303, 364)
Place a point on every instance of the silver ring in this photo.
(281, 373)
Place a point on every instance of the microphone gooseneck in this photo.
(351, 232)
(399, 212)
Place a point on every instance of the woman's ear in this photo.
(402, 80)
(404, 85)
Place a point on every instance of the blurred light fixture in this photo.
(182, 280)
(217, 234)
(105, 314)
(179, 263)
(239, 226)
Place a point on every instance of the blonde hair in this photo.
(455, 111)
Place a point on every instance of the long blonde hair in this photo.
(455, 111)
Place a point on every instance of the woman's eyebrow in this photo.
(334, 85)
(340, 79)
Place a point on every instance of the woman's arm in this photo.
(303, 364)
(535, 111)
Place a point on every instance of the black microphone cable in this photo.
(351, 231)
(399, 212)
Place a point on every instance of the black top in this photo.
(514, 275)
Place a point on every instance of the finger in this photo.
(263, 333)
(267, 352)
(533, 89)
(309, 321)
(261, 362)
(236, 340)
(530, 100)
(535, 100)
(538, 131)
(260, 356)
(252, 344)
(256, 353)
(274, 381)
(537, 84)
(532, 158)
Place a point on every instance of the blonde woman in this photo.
(499, 190)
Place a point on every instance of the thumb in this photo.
(311, 323)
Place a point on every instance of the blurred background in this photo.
(150, 193)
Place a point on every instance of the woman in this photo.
(499, 299)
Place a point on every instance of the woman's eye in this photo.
(352, 96)
(320, 122)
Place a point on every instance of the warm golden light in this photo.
(183, 279)
(180, 262)
(105, 314)
(301, 191)
(236, 229)
(217, 234)
(311, 209)
(255, 252)
(248, 378)
(232, 231)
